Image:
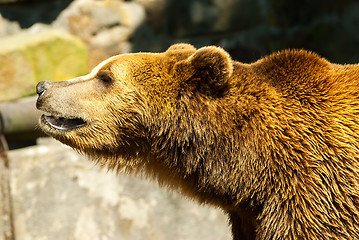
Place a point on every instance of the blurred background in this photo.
(50, 192)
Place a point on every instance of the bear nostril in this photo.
(40, 88)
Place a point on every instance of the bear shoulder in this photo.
(301, 72)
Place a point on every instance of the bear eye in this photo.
(104, 77)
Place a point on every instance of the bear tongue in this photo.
(64, 123)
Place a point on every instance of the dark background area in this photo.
(248, 29)
(29, 12)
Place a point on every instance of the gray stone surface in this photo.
(106, 26)
(59, 194)
(8, 27)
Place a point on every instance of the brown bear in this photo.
(274, 143)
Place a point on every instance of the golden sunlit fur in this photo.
(274, 143)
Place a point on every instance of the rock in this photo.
(110, 37)
(84, 18)
(133, 15)
(28, 58)
(8, 27)
(105, 26)
(6, 220)
(87, 18)
(57, 192)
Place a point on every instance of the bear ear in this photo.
(178, 52)
(181, 47)
(209, 67)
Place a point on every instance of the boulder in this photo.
(7, 27)
(59, 194)
(87, 18)
(105, 26)
(29, 57)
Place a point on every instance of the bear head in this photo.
(130, 105)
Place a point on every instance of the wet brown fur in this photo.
(274, 143)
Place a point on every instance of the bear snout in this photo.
(41, 88)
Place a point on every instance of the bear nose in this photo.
(41, 88)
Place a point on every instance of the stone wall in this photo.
(59, 194)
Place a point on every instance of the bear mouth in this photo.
(63, 124)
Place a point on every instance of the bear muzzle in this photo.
(52, 118)
(41, 88)
(63, 124)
